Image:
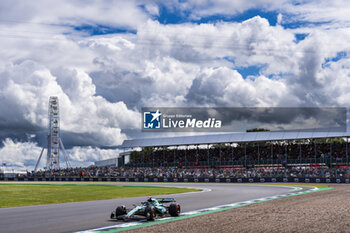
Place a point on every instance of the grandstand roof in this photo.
(230, 138)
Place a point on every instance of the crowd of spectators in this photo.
(173, 163)
(176, 172)
(241, 152)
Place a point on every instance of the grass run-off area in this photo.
(12, 195)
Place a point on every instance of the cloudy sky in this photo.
(107, 59)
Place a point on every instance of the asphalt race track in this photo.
(79, 216)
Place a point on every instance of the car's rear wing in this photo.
(165, 200)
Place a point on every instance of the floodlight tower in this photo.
(54, 141)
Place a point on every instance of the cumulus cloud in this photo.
(90, 154)
(18, 155)
(24, 155)
(259, 91)
(252, 42)
(102, 81)
(75, 13)
(27, 87)
(152, 9)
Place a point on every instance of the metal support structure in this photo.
(301, 157)
(271, 150)
(286, 158)
(285, 153)
(65, 154)
(152, 158)
(37, 163)
(347, 153)
(143, 156)
(258, 154)
(245, 154)
(208, 155)
(331, 154)
(299, 152)
(315, 149)
(124, 159)
(285, 148)
(232, 154)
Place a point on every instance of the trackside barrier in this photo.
(185, 180)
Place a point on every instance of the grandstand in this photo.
(311, 157)
(315, 157)
(253, 149)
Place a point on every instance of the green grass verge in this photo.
(12, 195)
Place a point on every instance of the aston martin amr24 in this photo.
(149, 209)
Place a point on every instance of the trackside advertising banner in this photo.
(240, 119)
(199, 180)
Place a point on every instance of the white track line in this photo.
(206, 209)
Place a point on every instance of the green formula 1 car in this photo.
(149, 209)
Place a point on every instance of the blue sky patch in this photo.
(250, 70)
(167, 16)
(299, 24)
(101, 29)
(300, 36)
(329, 60)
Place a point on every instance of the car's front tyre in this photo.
(174, 210)
(121, 210)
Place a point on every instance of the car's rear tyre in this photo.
(174, 210)
(121, 210)
(150, 213)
